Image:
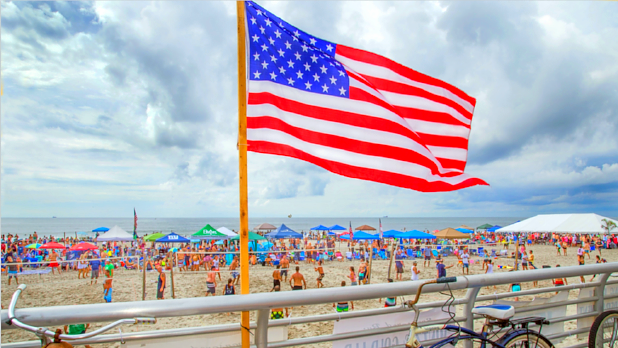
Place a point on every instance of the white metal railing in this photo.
(263, 302)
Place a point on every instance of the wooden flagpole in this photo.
(242, 169)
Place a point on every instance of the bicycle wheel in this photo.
(604, 330)
(529, 339)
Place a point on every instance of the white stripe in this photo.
(360, 85)
(452, 153)
(381, 72)
(435, 128)
(416, 102)
(351, 158)
(343, 130)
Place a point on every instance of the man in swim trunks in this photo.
(53, 257)
(399, 267)
(297, 280)
(233, 268)
(320, 271)
(277, 313)
(342, 306)
(390, 301)
(10, 258)
(95, 266)
(276, 278)
(211, 282)
(428, 256)
(107, 287)
(77, 329)
(285, 264)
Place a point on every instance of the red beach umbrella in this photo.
(83, 247)
(52, 245)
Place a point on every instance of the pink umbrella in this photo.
(52, 245)
(83, 247)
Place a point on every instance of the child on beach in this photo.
(352, 277)
(107, 287)
(389, 301)
(320, 271)
(343, 306)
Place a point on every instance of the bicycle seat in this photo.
(501, 312)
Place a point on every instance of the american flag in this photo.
(353, 112)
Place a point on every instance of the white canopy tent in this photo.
(560, 223)
(227, 231)
(115, 234)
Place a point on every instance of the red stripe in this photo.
(346, 144)
(448, 163)
(389, 178)
(400, 88)
(339, 116)
(444, 141)
(372, 58)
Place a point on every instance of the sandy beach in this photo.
(66, 289)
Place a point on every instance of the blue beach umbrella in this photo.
(101, 229)
(463, 230)
(415, 234)
(337, 228)
(365, 236)
(320, 228)
(33, 246)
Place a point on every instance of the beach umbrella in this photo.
(267, 245)
(364, 235)
(451, 233)
(52, 245)
(83, 247)
(484, 227)
(365, 228)
(33, 246)
(173, 238)
(252, 236)
(284, 232)
(209, 232)
(153, 237)
(337, 228)
(101, 229)
(391, 233)
(264, 227)
(319, 228)
(464, 230)
(415, 234)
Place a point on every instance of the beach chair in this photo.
(382, 255)
(481, 252)
(302, 256)
(348, 255)
(357, 256)
(410, 253)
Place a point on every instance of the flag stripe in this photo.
(371, 64)
(363, 173)
(349, 158)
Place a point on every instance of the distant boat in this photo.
(384, 217)
(290, 215)
(53, 217)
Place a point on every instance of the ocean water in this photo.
(188, 226)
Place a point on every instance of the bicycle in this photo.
(45, 335)
(518, 335)
(604, 330)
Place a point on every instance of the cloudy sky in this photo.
(113, 105)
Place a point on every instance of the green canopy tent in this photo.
(209, 232)
(153, 237)
(484, 227)
(252, 236)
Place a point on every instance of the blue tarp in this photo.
(173, 238)
(337, 228)
(283, 232)
(415, 234)
(463, 230)
(101, 229)
(320, 228)
(390, 233)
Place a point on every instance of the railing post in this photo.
(261, 332)
(599, 291)
(470, 301)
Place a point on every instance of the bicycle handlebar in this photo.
(43, 331)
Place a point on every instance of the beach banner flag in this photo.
(351, 233)
(134, 224)
(381, 232)
(353, 112)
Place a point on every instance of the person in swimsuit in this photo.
(320, 271)
(211, 282)
(53, 257)
(95, 267)
(581, 261)
(415, 271)
(12, 268)
(389, 301)
(285, 264)
(399, 266)
(560, 281)
(229, 287)
(276, 278)
(160, 284)
(233, 268)
(107, 287)
(297, 280)
(352, 277)
(599, 260)
(195, 266)
(82, 266)
(342, 306)
(361, 272)
(77, 329)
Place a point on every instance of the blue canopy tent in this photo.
(320, 228)
(415, 234)
(493, 229)
(283, 232)
(337, 228)
(362, 235)
(463, 230)
(101, 229)
(390, 233)
(173, 238)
